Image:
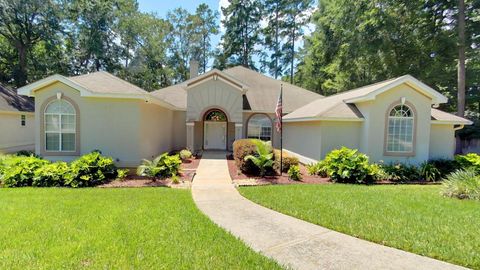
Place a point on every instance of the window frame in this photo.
(259, 135)
(410, 153)
(23, 120)
(76, 128)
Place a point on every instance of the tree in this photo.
(242, 31)
(23, 24)
(296, 16)
(204, 23)
(274, 11)
(181, 37)
(461, 59)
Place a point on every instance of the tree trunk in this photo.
(21, 70)
(293, 52)
(276, 42)
(461, 67)
(461, 58)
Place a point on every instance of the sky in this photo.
(162, 7)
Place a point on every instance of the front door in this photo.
(215, 135)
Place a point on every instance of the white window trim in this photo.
(387, 133)
(59, 132)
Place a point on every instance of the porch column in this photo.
(238, 131)
(190, 136)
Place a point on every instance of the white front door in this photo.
(215, 135)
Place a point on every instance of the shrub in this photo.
(401, 172)
(26, 153)
(263, 158)
(429, 172)
(90, 170)
(294, 173)
(469, 160)
(287, 161)
(122, 174)
(462, 184)
(185, 154)
(317, 169)
(50, 175)
(241, 149)
(348, 166)
(18, 171)
(445, 166)
(162, 166)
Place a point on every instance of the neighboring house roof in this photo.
(263, 91)
(97, 84)
(10, 101)
(341, 106)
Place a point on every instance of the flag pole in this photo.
(281, 131)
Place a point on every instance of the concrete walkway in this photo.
(290, 241)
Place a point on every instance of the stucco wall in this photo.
(214, 94)
(338, 134)
(442, 141)
(179, 130)
(110, 125)
(372, 136)
(303, 139)
(156, 126)
(15, 137)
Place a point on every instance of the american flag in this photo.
(278, 111)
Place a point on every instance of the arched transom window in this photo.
(260, 127)
(60, 126)
(400, 132)
(215, 115)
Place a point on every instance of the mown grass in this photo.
(144, 228)
(413, 218)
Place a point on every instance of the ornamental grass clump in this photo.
(462, 184)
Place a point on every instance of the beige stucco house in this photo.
(76, 115)
(16, 121)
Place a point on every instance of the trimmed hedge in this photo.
(241, 149)
(287, 161)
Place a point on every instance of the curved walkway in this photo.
(290, 241)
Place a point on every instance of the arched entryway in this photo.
(215, 130)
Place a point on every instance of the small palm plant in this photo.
(264, 157)
(162, 166)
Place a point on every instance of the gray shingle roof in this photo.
(12, 102)
(105, 83)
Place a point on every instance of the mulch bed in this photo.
(187, 172)
(243, 179)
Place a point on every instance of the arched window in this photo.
(60, 126)
(400, 130)
(260, 127)
(215, 115)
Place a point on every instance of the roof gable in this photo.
(98, 84)
(216, 74)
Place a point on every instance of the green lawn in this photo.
(136, 228)
(412, 218)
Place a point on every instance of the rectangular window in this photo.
(59, 132)
(23, 120)
(400, 135)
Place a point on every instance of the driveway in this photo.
(290, 241)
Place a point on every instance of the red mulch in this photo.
(237, 175)
(187, 171)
